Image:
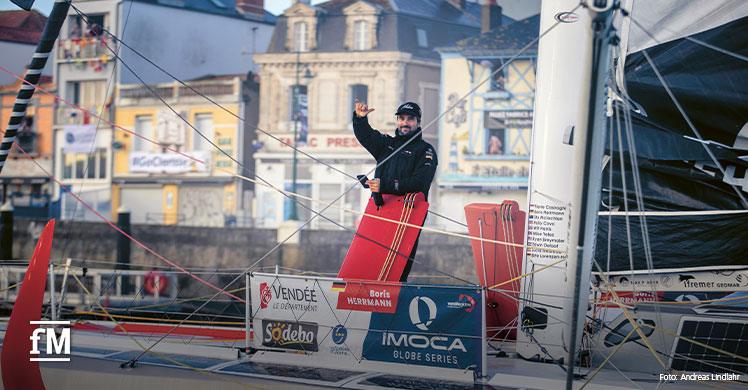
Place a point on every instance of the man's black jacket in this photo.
(411, 170)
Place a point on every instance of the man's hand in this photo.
(362, 109)
(373, 185)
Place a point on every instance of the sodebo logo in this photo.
(415, 316)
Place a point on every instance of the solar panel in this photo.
(729, 336)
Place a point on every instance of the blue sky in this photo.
(274, 6)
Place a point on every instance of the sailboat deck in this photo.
(179, 361)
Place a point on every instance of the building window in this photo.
(204, 124)
(300, 36)
(73, 92)
(143, 127)
(85, 165)
(360, 92)
(26, 135)
(89, 95)
(361, 35)
(423, 40)
(498, 80)
(495, 142)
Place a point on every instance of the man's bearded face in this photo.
(406, 123)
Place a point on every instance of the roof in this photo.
(443, 24)
(505, 40)
(44, 81)
(217, 7)
(22, 26)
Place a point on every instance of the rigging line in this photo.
(628, 127)
(470, 92)
(716, 48)
(419, 227)
(611, 167)
(231, 113)
(696, 41)
(141, 318)
(696, 342)
(447, 218)
(268, 253)
(644, 338)
(673, 213)
(638, 386)
(241, 165)
(100, 115)
(199, 93)
(521, 51)
(98, 123)
(604, 362)
(692, 126)
(110, 223)
(162, 355)
(344, 323)
(625, 195)
(309, 220)
(133, 239)
(528, 273)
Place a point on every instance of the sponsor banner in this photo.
(728, 280)
(167, 162)
(508, 119)
(361, 325)
(291, 299)
(371, 297)
(288, 297)
(78, 138)
(432, 326)
(300, 336)
(629, 298)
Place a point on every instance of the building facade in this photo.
(199, 187)
(187, 39)
(323, 57)
(20, 32)
(25, 180)
(484, 143)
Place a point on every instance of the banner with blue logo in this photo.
(432, 326)
(369, 325)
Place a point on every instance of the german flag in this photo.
(338, 286)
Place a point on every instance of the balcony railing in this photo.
(85, 49)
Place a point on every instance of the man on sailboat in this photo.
(399, 171)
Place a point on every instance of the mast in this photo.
(33, 73)
(565, 179)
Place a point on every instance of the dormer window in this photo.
(301, 27)
(360, 35)
(361, 25)
(423, 40)
(300, 34)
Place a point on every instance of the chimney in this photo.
(256, 7)
(490, 16)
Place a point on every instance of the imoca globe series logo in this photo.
(414, 310)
